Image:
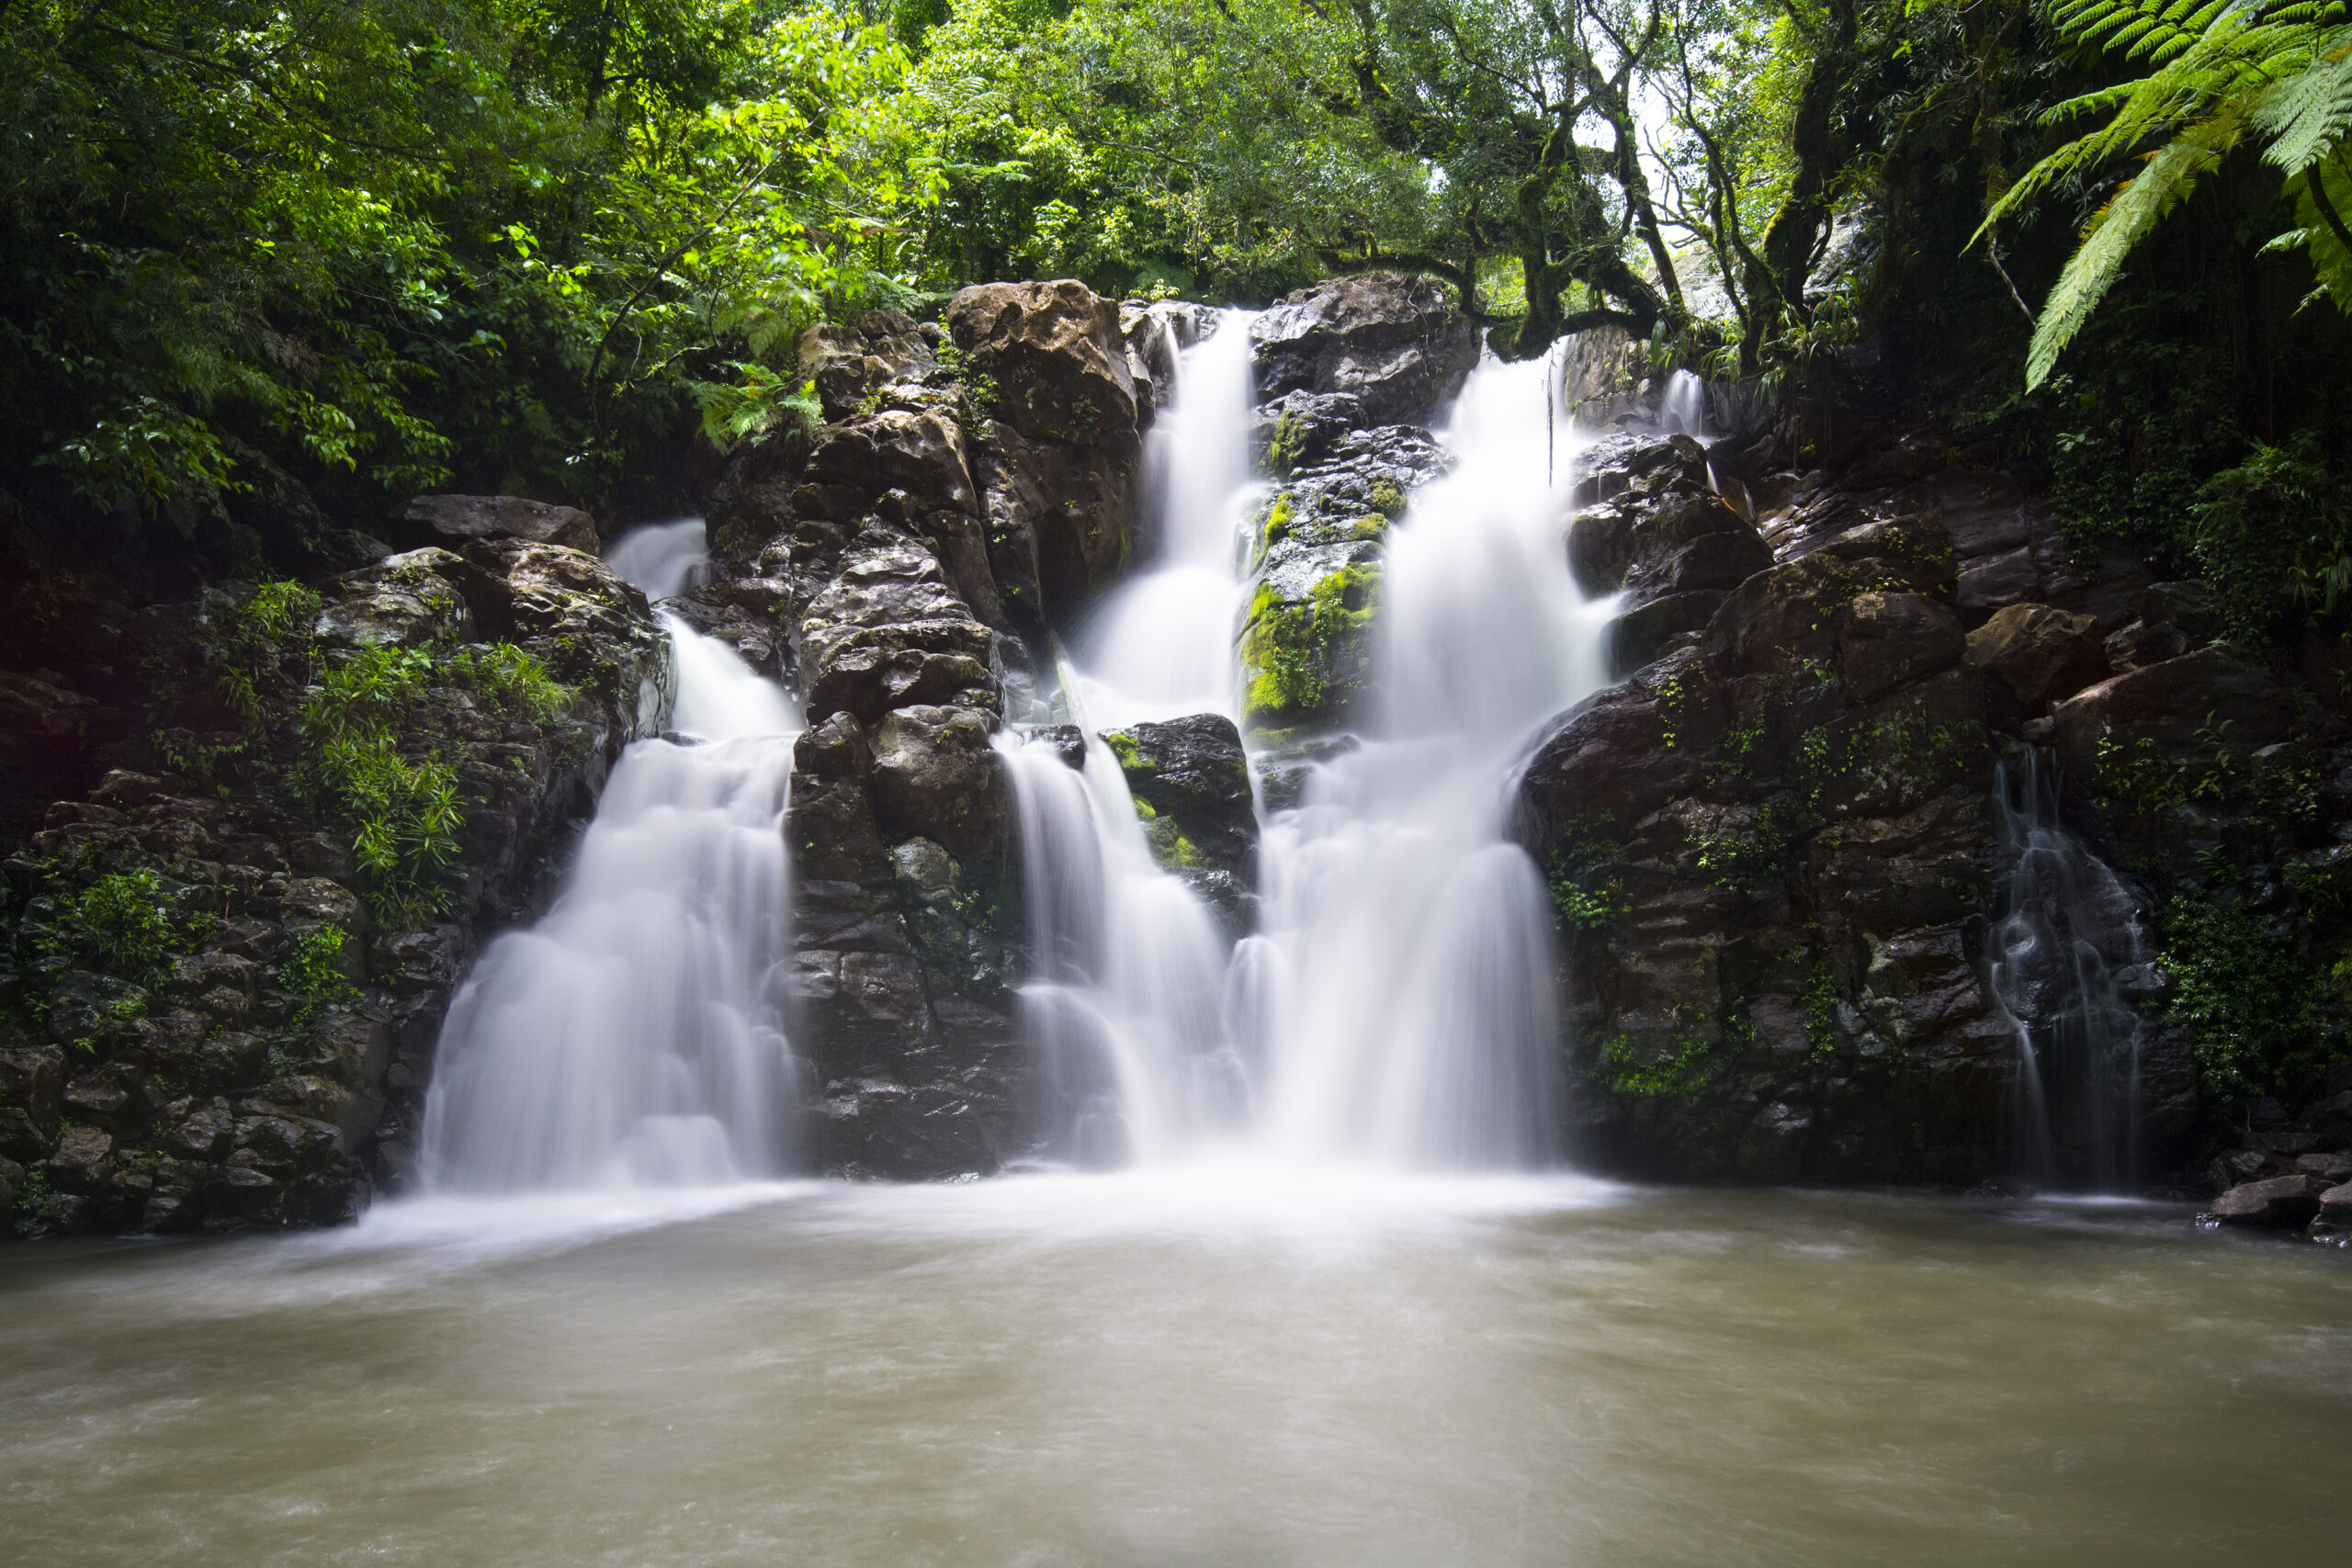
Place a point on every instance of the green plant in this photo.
(402, 817)
(1819, 1000)
(123, 924)
(760, 402)
(1579, 907)
(2247, 997)
(1743, 860)
(2276, 528)
(1386, 499)
(311, 973)
(1690, 1068)
(2275, 71)
(1288, 442)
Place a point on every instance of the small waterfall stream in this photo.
(2063, 931)
(635, 1035)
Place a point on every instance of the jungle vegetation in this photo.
(343, 251)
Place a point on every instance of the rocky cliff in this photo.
(227, 966)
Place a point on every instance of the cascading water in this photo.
(2065, 931)
(1396, 1003)
(1162, 646)
(635, 1035)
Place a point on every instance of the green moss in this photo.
(1275, 526)
(1372, 525)
(1289, 442)
(1692, 1065)
(1169, 847)
(1306, 660)
(1130, 756)
(1387, 499)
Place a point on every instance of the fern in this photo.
(2225, 70)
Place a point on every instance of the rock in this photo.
(850, 361)
(1396, 344)
(1889, 640)
(1301, 429)
(502, 516)
(1609, 761)
(2333, 1222)
(79, 1163)
(2139, 645)
(1058, 520)
(1051, 354)
(2175, 709)
(1190, 779)
(889, 631)
(935, 776)
(1994, 583)
(406, 600)
(1067, 741)
(2033, 656)
(1642, 635)
(2329, 1166)
(2282, 1202)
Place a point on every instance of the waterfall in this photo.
(634, 1036)
(1396, 1004)
(2064, 929)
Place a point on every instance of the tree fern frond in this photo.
(2169, 174)
(2308, 113)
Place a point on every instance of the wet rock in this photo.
(936, 776)
(1052, 356)
(2332, 1222)
(405, 600)
(79, 1162)
(499, 516)
(1994, 582)
(1889, 640)
(1394, 342)
(2139, 645)
(2282, 1202)
(889, 631)
(1067, 741)
(1301, 429)
(2175, 709)
(1060, 516)
(851, 361)
(2033, 656)
(1190, 778)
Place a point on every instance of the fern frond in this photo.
(2169, 174)
(2308, 114)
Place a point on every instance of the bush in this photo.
(2275, 528)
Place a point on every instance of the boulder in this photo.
(1301, 429)
(850, 361)
(889, 631)
(1191, 782)
(2333, 1222)
(1889, 640)
(2175, 709)
(936, 776)
(1060, 516)
(463, 517)
(1052, 358)
(2033, 656)
(405, 600)
(2282, 1202)
(1396, 344)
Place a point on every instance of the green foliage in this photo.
(1693, 1064)
(758, 404)
(1743, 860)
(1579, 908)
(2275, 72)
(1387, 499)
(125, 924)
(2137, 425)
(311, 973)
(2278, 527)
(1302, 659)
(1819, 1000)
(2254, 1006)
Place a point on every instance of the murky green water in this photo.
(1222, 1371)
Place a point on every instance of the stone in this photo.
(1052, 356)
(2175, 709)
(850, 361)
(1396, 344)
(2139, 645)
(79, 1162)
(502, 516)
(404, 599)
(1992, 583)
(2330, 1166)
(1889, 640)
(1301, 428)
(936, 776)
(1192, 775)
(2332, 1222)
(2282, 1202)
(889, 631)
(2033, 656)
(1060, 516)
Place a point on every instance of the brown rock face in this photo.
(2283, 1202)
(464, 517)
(2033, 656)
(850, 361)
(1054, 355)
(1395, 344)
(2175, 709)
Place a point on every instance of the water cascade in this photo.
(2065, 932)
(635, 1035)
(1396, 1003)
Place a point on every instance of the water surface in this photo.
(1181, 1369)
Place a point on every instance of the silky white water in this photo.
(1394, 1004)
(635, 1037)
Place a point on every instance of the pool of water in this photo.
(1224, 1368)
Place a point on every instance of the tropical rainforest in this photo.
(272, 262)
